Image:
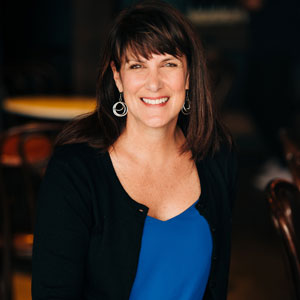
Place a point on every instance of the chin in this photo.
(159, 123)
(153, 121)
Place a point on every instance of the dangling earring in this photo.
(186, 108)
(122, 110)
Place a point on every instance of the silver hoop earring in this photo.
(122, 110)
(186, 108)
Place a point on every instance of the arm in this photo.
(222, 171)
(61, 234)
(232, 170)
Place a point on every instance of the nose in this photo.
(154, 81)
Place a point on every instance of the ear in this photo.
(117, 77)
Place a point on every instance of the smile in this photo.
(155, 101)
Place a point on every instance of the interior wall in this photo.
(90, 22)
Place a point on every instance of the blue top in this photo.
(174, 261)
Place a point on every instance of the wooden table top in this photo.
(50, 107)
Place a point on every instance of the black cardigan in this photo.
(88, 230)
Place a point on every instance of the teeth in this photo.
(156, 101)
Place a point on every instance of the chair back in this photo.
(29, 144)
(24, 153)
(292, 155)
(26, 148)
(284, 201)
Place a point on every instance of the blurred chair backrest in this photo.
(292, 155)
(284, 201)
(27, 147)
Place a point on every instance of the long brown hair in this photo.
(151, 27)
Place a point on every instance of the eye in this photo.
(170, 64)
(135, 66)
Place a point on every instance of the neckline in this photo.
(181, 214)
(141, 207)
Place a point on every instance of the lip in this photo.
(154, 98)
(155, 101)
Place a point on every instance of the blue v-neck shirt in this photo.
(174, 261)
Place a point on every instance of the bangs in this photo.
(147, 46)
(143, 35)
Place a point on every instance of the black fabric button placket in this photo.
(142, 213)
(212, 282)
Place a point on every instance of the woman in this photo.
(136, 200)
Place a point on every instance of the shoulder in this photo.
(224, 159)
(72, 151)
(221, 168)
(227, 158)
(74, 163)
(75, 155)
(72, 175)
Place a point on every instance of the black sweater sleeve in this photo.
(61, 232)
(221, 172)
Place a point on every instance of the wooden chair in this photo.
(284, 201)
(24, 153)
(292, 155)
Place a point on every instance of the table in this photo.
(49, 107)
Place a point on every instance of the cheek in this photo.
(178, 83)
(132, 84)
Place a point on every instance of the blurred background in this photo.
(49, 53)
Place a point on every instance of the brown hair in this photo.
(151, 27)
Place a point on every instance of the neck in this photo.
(150, 145)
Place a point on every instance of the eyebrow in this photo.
(133, 59)
(142, 61)
(171, 58)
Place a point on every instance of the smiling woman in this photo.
(136, 201)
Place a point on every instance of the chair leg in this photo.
(6, 254)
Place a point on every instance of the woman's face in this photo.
(154, 89)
